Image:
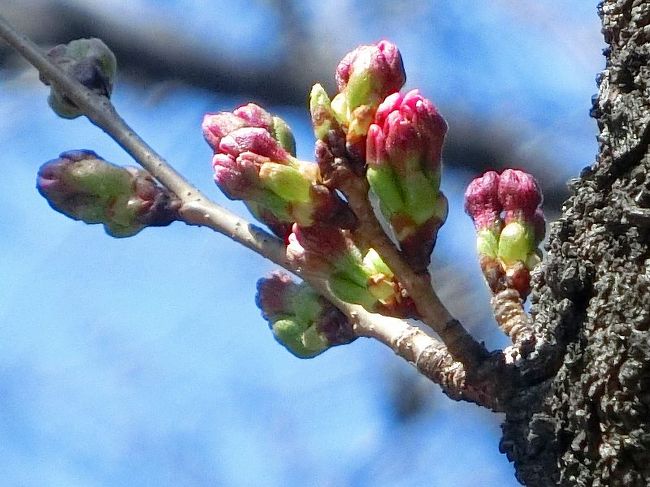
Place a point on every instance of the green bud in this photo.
(323, 117)
(516, 242)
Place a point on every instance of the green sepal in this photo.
(375, 265)
(283, 134)
(348, 291)
(314, 341)
(285, 181)
(289, 332)
(383, 182)
(306, 305)
(516, 242)
(420, 197)
(487, 243)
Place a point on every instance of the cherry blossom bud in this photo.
(370, 73)
(91, 63)
(364, 78)
(519, 195)
(510, 225)
(83, 186)
(216, 126)
(254, 162)
(302, 321)
(354, 276)
(403, 150)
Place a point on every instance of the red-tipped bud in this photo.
(519, 194)
(413, 133)
(370, 73)
(216, 126)
(482, 201)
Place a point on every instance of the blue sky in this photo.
(144, 361)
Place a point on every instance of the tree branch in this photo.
(428, 354)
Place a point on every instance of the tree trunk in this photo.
(588, 424)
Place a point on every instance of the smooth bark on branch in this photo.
(588, 423)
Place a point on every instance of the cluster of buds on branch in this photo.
(373, 141)
(510, 226)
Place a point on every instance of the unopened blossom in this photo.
(302, 321)
(403, 153)
(83, 186)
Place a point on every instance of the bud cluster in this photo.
(302, 321)
(83, 186)
(510, 226)
(254, 161)
(354, 275)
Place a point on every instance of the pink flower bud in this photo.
(232, 177)
(519, 194)
(255, 116)
(412, 134)
(255, 140)
(215, 126)
(482, 201)
(370, 72)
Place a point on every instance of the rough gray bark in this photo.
(587, 422)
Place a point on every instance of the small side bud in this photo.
(83, 186)
(91, 63)
(301, 320)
